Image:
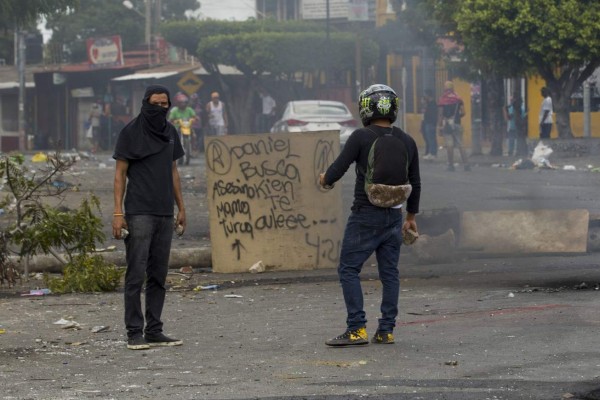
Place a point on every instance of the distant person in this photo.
(217, 117)
(181, 111)
(545, 118)
(429, 124)
(267, 115)
(370, 228)
(451, 109)
(513, 113)
(146, 176)
(94, 121)
(196, 105)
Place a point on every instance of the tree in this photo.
(23, 15)
(259, 49)
(96, 18)
(38, 227)
(19, 12)
(559, 40)
(418, 28)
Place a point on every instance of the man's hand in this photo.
(410, 223)
(322, 181)
(118, 223)
(180, 223)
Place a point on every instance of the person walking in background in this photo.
(267, 115)
(146, 170)
(217, 117)
(513, 113)
(371, 228)
(196, 105)
(94, 121)
(429, 125)
(451, 109)
(545, 118)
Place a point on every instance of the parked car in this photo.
(316, 115)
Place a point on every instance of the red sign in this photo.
(105, 52)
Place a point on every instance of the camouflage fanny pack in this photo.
(387, 196)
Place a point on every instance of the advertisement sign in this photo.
(358, 10)
(317, 9)
(105, 52)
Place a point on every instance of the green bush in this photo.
(86, 273)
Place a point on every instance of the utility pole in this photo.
(21, 71)
(148, 30)
(587, 126)
(328, 46)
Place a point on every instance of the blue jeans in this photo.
(371, 229)
(147, 252)
(430, 137)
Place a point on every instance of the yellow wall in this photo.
(463, 89)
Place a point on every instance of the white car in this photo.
(316, 115)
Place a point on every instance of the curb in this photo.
(197, 257)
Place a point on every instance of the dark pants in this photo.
(371, 229)
(430, 136)
(147, 251)
(545, 131)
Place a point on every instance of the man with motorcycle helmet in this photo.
(181, 111)
(372, 228)
(183, 117)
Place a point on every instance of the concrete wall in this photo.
(265, 203)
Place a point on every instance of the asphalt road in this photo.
(517, 327)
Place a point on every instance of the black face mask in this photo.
(155, 117)
(149, 132)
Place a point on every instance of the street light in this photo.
(147, 15)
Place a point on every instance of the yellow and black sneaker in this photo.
(383, 338)
(350, 338)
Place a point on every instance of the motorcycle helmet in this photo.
(378, 101)
(181, 98)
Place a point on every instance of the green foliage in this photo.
(86, 274)
(269, 46)
(97, 18)
(279, 53)
(557, 39)
(70, 230)
(545, 35)
(37, 226)
(23, 12)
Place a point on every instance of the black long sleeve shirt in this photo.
(357, 150)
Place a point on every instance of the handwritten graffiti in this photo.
(229, 209)
(219, 156)
(266, 168)
(325, 248)
(253, 191)
(323, 157)
(237, 246)
(257, 191)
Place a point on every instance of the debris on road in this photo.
(37, 292)
(257, 267)
(206, 287)
(68, 324)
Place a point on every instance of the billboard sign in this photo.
(105, 52)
